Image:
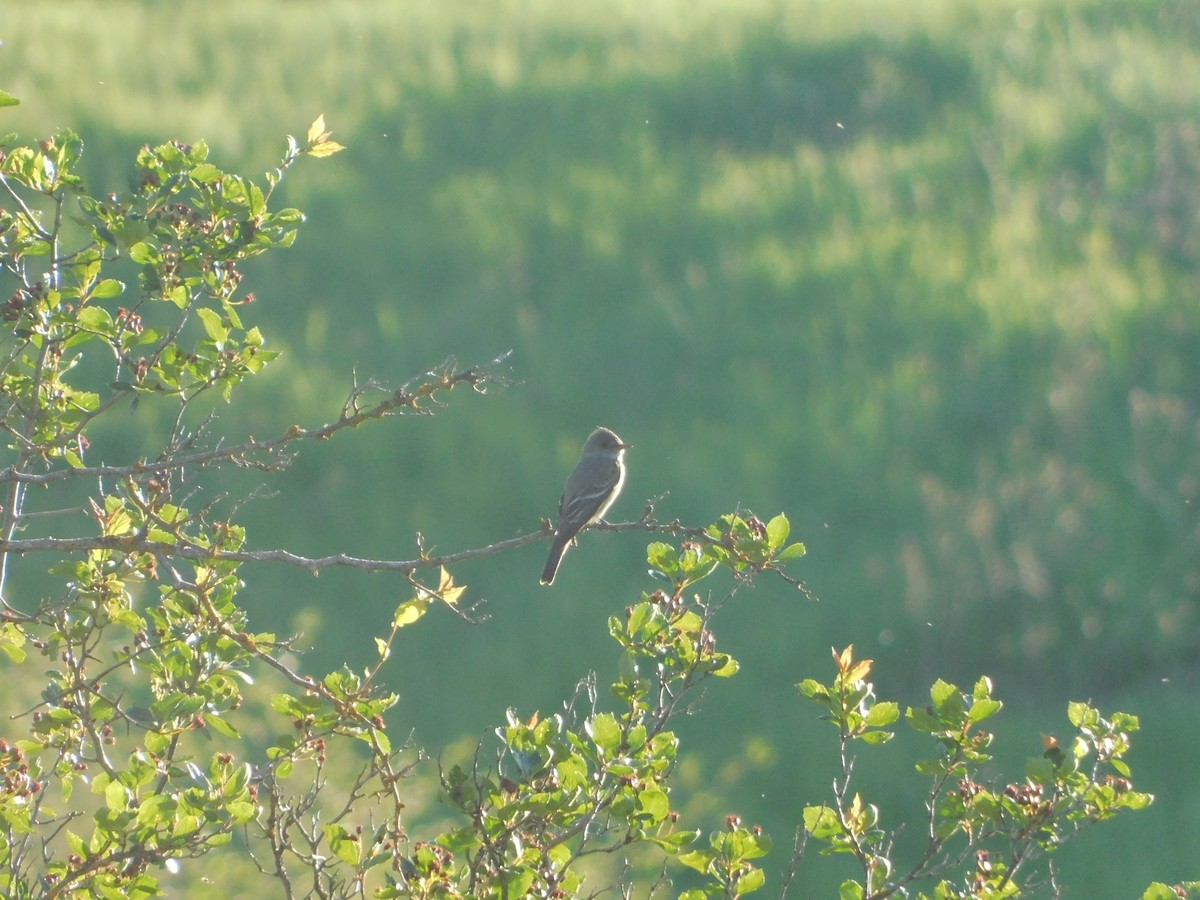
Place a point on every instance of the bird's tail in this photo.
(557, 549)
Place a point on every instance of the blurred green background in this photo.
(921, 275)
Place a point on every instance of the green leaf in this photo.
(157, 809)
(14, 653)
(813, 689)
(605, 731)
(409, 611)
(176, 706)
(793, 551)
(459, 840)
(199, 152)
(107, 288)
(241, 811)
(75, 844)
(1077, 713)
(777, 531)
(178, 295)
(206, 173)
(748, 845)
(850, 890)
(822, 822)
(751, 881)
(213, 325)
(572, 773)
(636, 739)
(116, 796)
(1126, 722)
(922, 720)
(295, 707)
(221, 726)
(235, 321)
(516, 882)
(664, 745)
(157, 741)
(344, 847)
(143, 254)
(7, 99)
(653, 802)
(983, 709)
(882, 714)
(119, 522)
(12, 637)
(699, 860)
(1159, 891)
(662, 557)
(724, 665)
(95, 318)
(674, 842)
(943, 693)
(1134, 800)
(639, 617)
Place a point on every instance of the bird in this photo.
(590, 490)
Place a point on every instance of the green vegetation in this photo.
(922, 275)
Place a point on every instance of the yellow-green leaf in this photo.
(316, 129)
(212, 324)
(325, 148)
(409, 611)
(777, 531)
(107, 288)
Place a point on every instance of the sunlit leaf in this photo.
(777, 531)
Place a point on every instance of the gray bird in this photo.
(590, 490)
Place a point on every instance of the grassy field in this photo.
(922, 275)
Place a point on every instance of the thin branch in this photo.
(16, 491)
(136, 544)
(50, 513)
(33, 220)
(183, 549)
(478, 377)
(799, 842)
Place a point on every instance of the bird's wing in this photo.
(588, 492)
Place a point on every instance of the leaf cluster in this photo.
(984, 839)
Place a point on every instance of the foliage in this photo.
(993, 832)
(166, 729)
(149, 655)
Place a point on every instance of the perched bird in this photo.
(590, 490)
